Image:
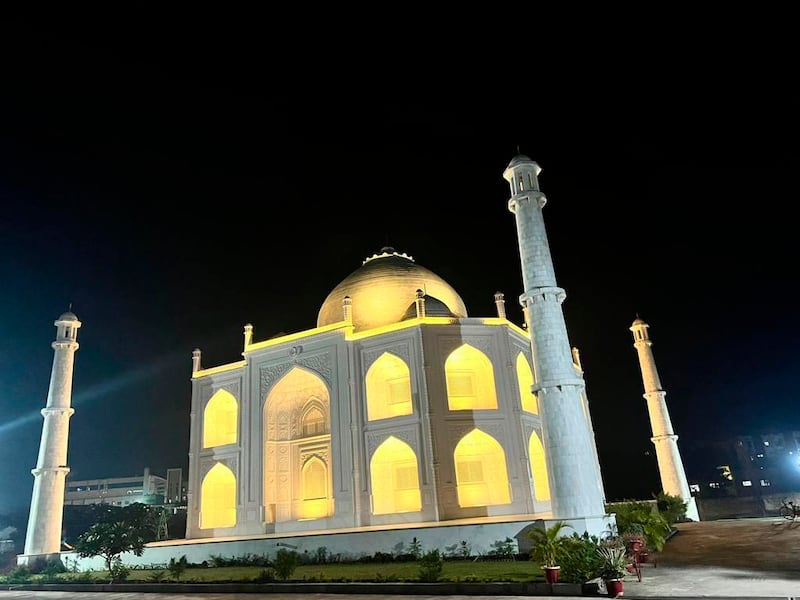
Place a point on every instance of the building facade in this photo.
(118, 491)
(400, 408)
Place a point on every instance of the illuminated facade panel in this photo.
(481, 471)
(394, 478)
(470, 380)
(525, 381)
(218, 498)
(220, 420)
(388, 386)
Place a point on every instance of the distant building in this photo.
(118, 491)
(175, 492)
(747, 465)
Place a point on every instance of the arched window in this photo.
(218, 498)
(296, 422)
(470, 380)
(220, 420)
(394, 478)
(541, 485)
(313, 422)
(388, 383)
(525, 381)
(315, 489)
(481, 472)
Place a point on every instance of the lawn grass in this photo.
(453, 570)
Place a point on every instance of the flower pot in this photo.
(614, 587)
(551, 574)
(635, 544)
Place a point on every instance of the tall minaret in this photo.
(568, 441)
(43, 539)
(670, 466)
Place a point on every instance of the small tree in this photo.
(177, 567)
(415, 548)
(110, 540)
(430, 566)
(286, 562)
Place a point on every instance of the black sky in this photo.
(174, 185)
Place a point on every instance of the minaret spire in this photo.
(574, 474)
(43, 539)
(670, 466)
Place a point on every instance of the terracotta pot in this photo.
(551, 574)
(614, 587)
(635, 545)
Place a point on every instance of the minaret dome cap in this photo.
(68, 316)
(519, 159)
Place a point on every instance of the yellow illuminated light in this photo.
(315, 489)
(470, 380)
(541, 485)
(220, 420)
(525, 380)
(297, 477)
(481, 472)
(218, 498)
(388, 385)
(349, 333)
(394, 478)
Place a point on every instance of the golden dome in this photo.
(382, 289)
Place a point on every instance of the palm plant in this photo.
(614, 562)
(548, 544)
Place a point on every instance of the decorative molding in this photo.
(269, 374)
(321, 453)
(401, 350)
(320, 363)
(376, 438)
(207, 462)
(483, 343)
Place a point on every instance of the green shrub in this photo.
(430, 566)
(19, 574)
(286, 562)
(177, 567)
(580, 561)
(631, 515)
(673, 508)
(265, 576)
(503, 548)
(118, 572)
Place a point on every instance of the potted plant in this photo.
(614, 567)
(548, 547)
(634, 537)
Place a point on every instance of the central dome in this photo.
(382, 289)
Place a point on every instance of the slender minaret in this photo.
(568, 441)
(670, 466)
(43, 538)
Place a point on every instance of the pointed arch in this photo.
(481, 471)
(388, 383)
(470, 380)
(313, 421)
(394, 478)
(314, 478)
(297, 444)
(525, 381)
(218, 498)
(220, 420)
(541, 484)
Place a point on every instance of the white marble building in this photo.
(399, 408)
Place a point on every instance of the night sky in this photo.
(173, 188)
